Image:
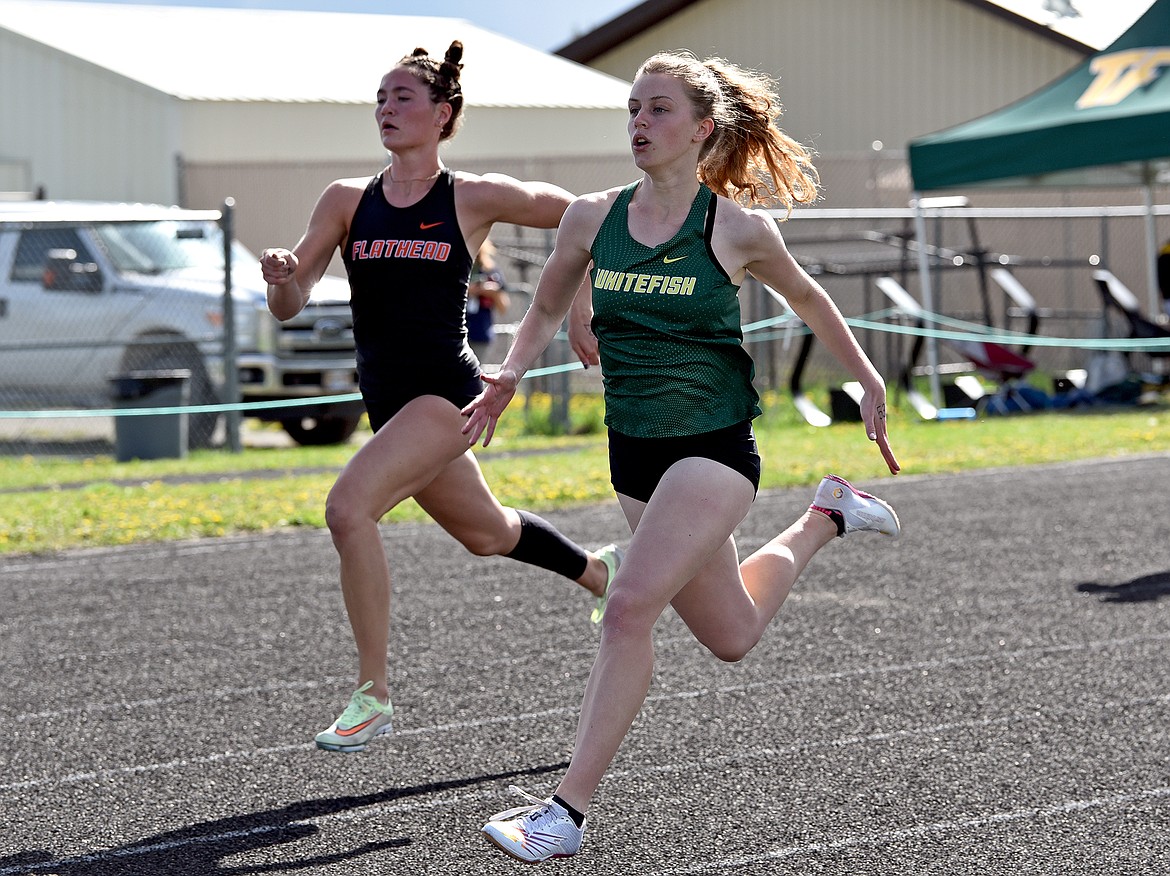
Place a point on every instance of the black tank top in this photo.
(408, 272)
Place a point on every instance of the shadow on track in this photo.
(202, 848)
(1146, 588)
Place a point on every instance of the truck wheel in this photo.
(318, 431)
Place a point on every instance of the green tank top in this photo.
(667, 323)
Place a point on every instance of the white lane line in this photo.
(449, 800)
(83, 558)
(220, 694)
(212, 696)
(565, 712)
(889, 837)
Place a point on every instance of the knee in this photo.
(343, 516)
(627, 616)
(732, 647)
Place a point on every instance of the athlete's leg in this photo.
(400, 460)
(688, 521)
(460, 501)
(728, 606)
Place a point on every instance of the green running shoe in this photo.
(363, 719)
(611, 555)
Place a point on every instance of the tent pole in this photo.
(927, 299)
(1151, 241)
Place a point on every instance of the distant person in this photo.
(669, 253)
(407, 238)
(486, 299)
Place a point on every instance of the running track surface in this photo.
(986, 695)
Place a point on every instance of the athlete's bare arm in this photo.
(481, 201)
(748, 241)
(291, 275)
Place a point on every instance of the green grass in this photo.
(213, 493)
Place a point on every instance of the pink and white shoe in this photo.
(853, 510)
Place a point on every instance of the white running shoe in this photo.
(852, 510)
(363, 719)
(535, 832)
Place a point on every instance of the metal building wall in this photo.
(81, 131)
(274, 131)
(853, 72)
(273, 199)
(244, 151)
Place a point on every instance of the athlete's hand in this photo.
(278, 266)
(483, 412)
(873, 413)
(583, 342)
(581, 338)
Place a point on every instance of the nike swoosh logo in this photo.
(666, 260)
(357, 728)
(425, 225)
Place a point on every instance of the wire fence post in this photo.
(927, 299)
(231, 370)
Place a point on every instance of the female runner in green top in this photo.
(669, 254)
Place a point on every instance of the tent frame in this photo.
(1104, 122)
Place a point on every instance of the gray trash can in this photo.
(151, 436)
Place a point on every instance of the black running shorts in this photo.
(636, 465)
(382, 406)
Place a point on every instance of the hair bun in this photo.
(454, 54)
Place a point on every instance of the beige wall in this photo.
(86, 133)
(256, 131)
(81, 131)
(854, 72)
(491, 132)
(274, 199)
(310, 132)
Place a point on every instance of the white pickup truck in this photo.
(89, 291)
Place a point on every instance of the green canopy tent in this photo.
(1105, 122)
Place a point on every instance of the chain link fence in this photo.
(102, 307)
(1053, 253)
(1021, 277)
(84, 301)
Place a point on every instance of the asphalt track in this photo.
(986, 695)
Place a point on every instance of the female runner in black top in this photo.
(407, 239)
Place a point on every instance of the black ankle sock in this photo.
(833, 514)
(578, 817)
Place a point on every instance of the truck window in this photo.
(33, 248)
(160, 247)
